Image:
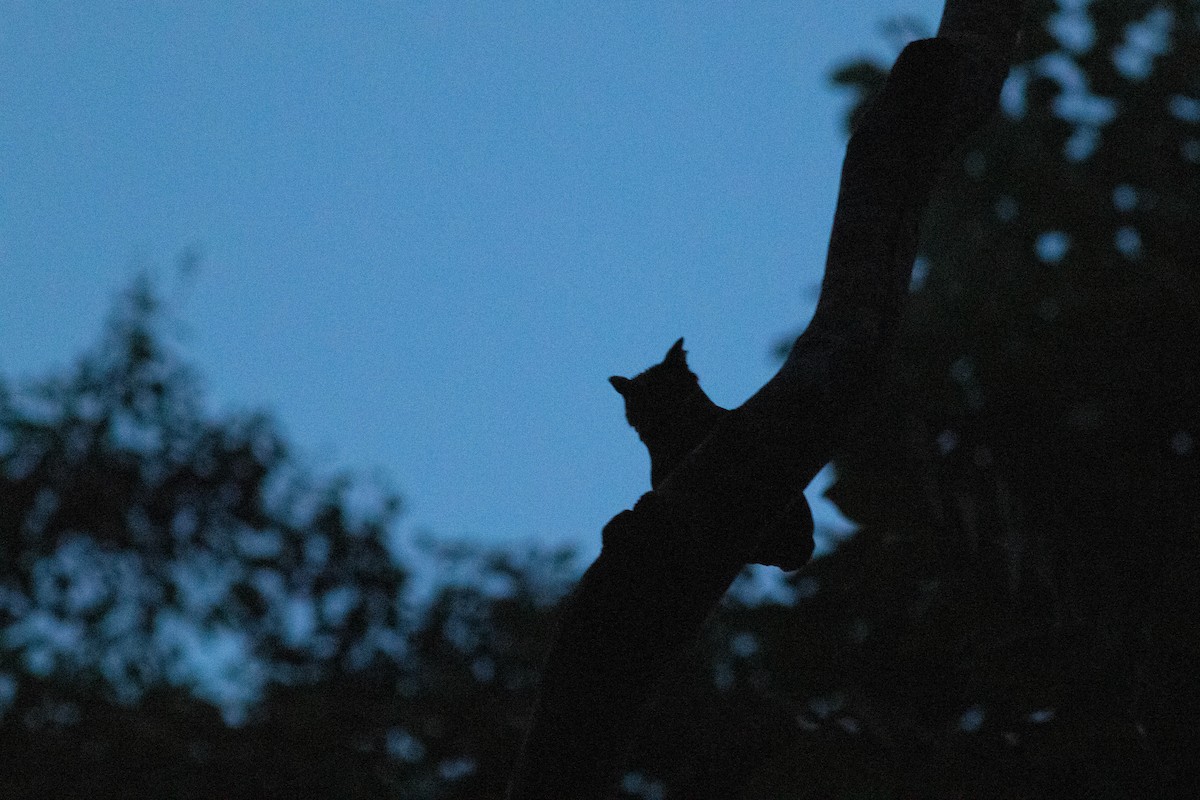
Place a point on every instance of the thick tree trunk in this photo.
(665, 564)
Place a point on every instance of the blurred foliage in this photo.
(186, 611)
(1025, 581)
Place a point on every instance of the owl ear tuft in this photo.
(676, 355)
(620, 384)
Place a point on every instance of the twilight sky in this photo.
(429, 231)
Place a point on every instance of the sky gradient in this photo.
(430, 231)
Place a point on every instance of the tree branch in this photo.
(665, 564)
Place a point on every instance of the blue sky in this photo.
(430, 231)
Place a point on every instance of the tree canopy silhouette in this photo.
(186, 610)
(1033, 488)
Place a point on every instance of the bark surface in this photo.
(666, 563)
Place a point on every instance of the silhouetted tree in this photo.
(1017, 611)
(665, 564)
(186, 611)
(158, 565)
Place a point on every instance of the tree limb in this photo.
(665, 564)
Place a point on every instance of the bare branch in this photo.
(665, 564)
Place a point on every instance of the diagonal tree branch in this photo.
(666, 563)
